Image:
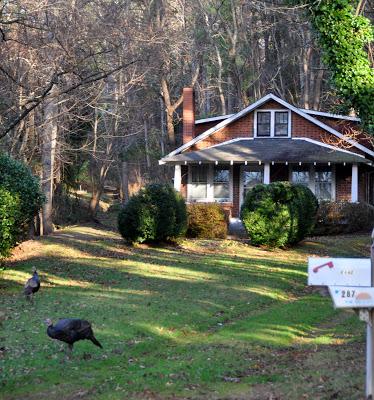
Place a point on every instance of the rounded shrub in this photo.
(335, 218)
(206, 221)
(279, 214)
(156, 213)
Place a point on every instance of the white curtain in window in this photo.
(199, 181)
(300, 177)
(221, 181)
(251, 178)
(323, 181)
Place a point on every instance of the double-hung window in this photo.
(281, 123)
(323, 184)
(264, 124)
(272, 123)
(199, 182)
(319, 179)
(209, 183)
(252, 176)
(221, 183)
(301, 176)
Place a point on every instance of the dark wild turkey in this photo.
(32, 285)
(70, 330)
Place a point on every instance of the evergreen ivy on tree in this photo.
(344, 36)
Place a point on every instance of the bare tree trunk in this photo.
(49, 140)
(125, 181)
(147, 157)
(95, 193)
(220, 89)
(162, 137)
(95, 200)
(171, 107)
(306, 76)
(230, 100)
(317, 89)
(97, 190)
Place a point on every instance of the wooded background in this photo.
(90, 90)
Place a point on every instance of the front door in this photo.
(250, 176)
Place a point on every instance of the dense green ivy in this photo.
(343, 37)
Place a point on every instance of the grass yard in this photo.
(205, 320)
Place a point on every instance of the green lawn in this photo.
(206, 319)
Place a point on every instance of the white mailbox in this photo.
(352, 297)
(350, 286)
(339, 271)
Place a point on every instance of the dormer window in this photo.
(263, 123)
(272, 123)
(281, 123)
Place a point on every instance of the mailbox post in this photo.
(351, 285)
(370, 335)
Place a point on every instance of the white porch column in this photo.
(177, 178)
(266, 173)
(354, 184)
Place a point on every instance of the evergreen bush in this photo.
(17, 178)
(156, 213)
(279, 214)
(9, 215)
(20, 200)
(206, 221)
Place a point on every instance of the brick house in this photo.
(270, 140)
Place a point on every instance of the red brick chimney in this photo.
(188, 115)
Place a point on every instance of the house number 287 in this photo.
(348, 293)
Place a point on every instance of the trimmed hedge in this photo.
(156, 213)
(20, 200)
(335, 218)
(279, 214)
(206, 221)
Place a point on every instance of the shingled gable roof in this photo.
(274, 150)
(252, 107)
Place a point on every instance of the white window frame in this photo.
(189, 183)
(210, 185)
(272, 124)
(218, 199)
(312, 183)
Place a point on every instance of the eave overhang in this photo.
(274, 150)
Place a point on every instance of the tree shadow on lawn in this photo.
(177, 324)
(221, 264)
(134, 317)
(213, 296)
(253, 350)
(209, 294)
(197, 307)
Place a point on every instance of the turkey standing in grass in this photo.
(32, 285)
(70, 330)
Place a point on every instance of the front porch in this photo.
(225, 172)
(228, 183)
